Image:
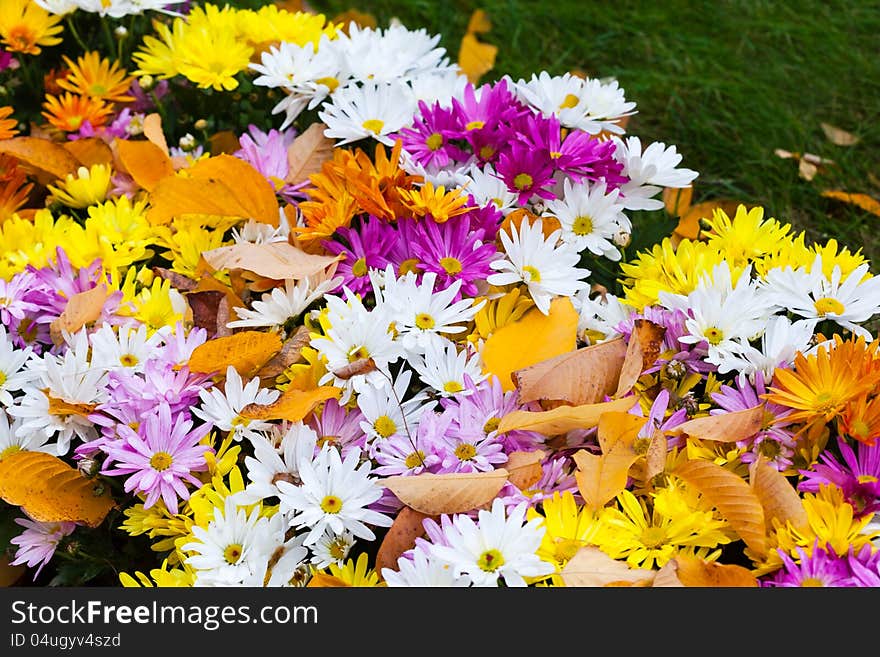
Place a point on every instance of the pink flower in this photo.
(37, 543)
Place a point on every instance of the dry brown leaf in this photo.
(246, 351)
(50, 160)
(90, 151)
(307, 153)
(63, 408)
(454, 492)
(696, 572)
(476, 58)
(807, 170)
(563, 418)
(838, 136)
(582, 376)
(642, 351)
(82, 308)
(143, 161)
(524, 468)
(290, 353)
(356, 368)
(49, 490)
(723, 428)
(863, 201)
(154, 132)
(293, 405)
(667, 576)
(276, 260)
(401, 536)
(10, 574)
(733, 498)
(778, 497)
(592, 567)
(206, 310)
(655, 457)
(224, 141)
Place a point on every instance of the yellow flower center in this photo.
(811, 582)
(330, 82)
(474, 125)
(555, 155)
(338, 549)
(239, 421)
(232, 553)
(27, 330)
(770, 448)
(128, 360)
(453, 387)
(569, 101)
(331, 504)
(486, 152)
(859, 428)
(12, 449)
(327, 440)
(22, 39)
(359, 268)
(407, 266)
(2, 378)
(97, 89)
(862, 479)
(451, 266)
(161, 461)
(582, 225)
(490, 560)
(424, 321)
(491, 424)
(534, 274)
(714, 335)
(465, 452)
(415, 459)
(358, 353)
(653, 537)
(523, 181)
(373, 125)
(435, 141)
(827, 305)
(566, 548)
(385, 426)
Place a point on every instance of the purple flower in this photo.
(144, 100)
(858, 477)
(339, 426)
(5, 59)
(402, 253)
(454, 253)
(526, 173)
(364, 249)
(180, 344)
(819, 567)
(404, 455)
(865, 565)
(676, 357)
(37, 543)
(118, 129)
(160, 384)
(267, 153)
(160, 457)
(13, 306)
(487, 108)
(428, 140)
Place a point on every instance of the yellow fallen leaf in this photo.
(81, 309)
(246, 351)
(563, 419)
(779, 498)
(592, 567)
(275, 260)
(524, 468)
(535, 337)
(50, 160)
(684, 570)
(454, 492)
(90, 151)
(143, 161)
(307, 153)
(293, 405)
(724, 427)
(475, 58)
(49, 490)
(863, 201)
(153, 131)
(838, 136)
(479, 22)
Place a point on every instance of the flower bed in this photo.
(286, 302)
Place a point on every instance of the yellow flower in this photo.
(69, 111)
(356, 573)
(843, 258)
(86, 187)
(500, 311)
(745, 237)
(304, 376)
(96, 77)
(157, 522)
(568, 529)
(156, 57)
(435, 201)
(158, 306)
(25, 26)
(271, 24)
(31, 242)
(186, 243)
(164, 576)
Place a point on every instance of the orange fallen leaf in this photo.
(10, 574)
(246, 351)
(359, 18)
(454, 492)
(50, 160)
(563, 419)
(307, 153)
(689, 226)
(293, 405)
(81, 309)
(778, 497)
(696, 572)
(733, 498)
(724, 427)
(63, 408)
(153, 131)
(838, 136)
(591, 567)
(49, 490)
(476, 58)
(143, 161)
(525, 468)
(582, 376)
(276, 260)
(677, 200)
(224, 141)
(863, 201)
(401, 536)
(321, 580)
(642, 351)
(534, 338)
(90, 151)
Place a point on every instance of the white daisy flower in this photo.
(234, 549)
(487, 186)
(275, 308)
(223, 408)
(443, 368)
(419, 568)
(649, 172)
(438, 86)
(500, 545)
(12, 441)
(291, 565)
(332, 548)
(57, 403)
(547, 267)
(130, 348)
(605, 105)
(590, 217)
(559, 95)
(848, 302)
(269, 464)
(258, 232)
(334, 495)
(395, 53)
(58, 6)
(376, 109)
(13, 375)
(385, 412)
(600, 315)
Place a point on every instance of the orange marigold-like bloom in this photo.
(860, 420)
(91, 75)
(69, 111)
(25, 26)
(7, 125)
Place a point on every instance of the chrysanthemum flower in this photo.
(25, 26)
(812, 568)
(271, 464)
(364, 248)
(38, 542)
(223, 408)
(861, 420)
(68, 112)
(527, 173)
(376, 109)
(7, 124)
(96, 77)
(446, 368)
(857, 476)
(436, 202)
(419, 568)
(746, 236)
(590, 216)
(88, 186)
(648, 172)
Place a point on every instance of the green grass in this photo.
(727, 82)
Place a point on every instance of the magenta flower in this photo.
(339, 426)
(454, 253)
(5, 59)
(858, 476)
(818, 567)
(160, 457)
(402, 253)
(487, 107)
(364, 249)
(37, 543)
(429, 140)
(117, 129)
(865, 565)
(526, 173)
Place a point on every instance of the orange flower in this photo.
(861, 420)
(14, 187)
(323, 218)
(95, 77)
(68, 112)
(25, 26)
(7, 125)
(820, 386)
(435, 201)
